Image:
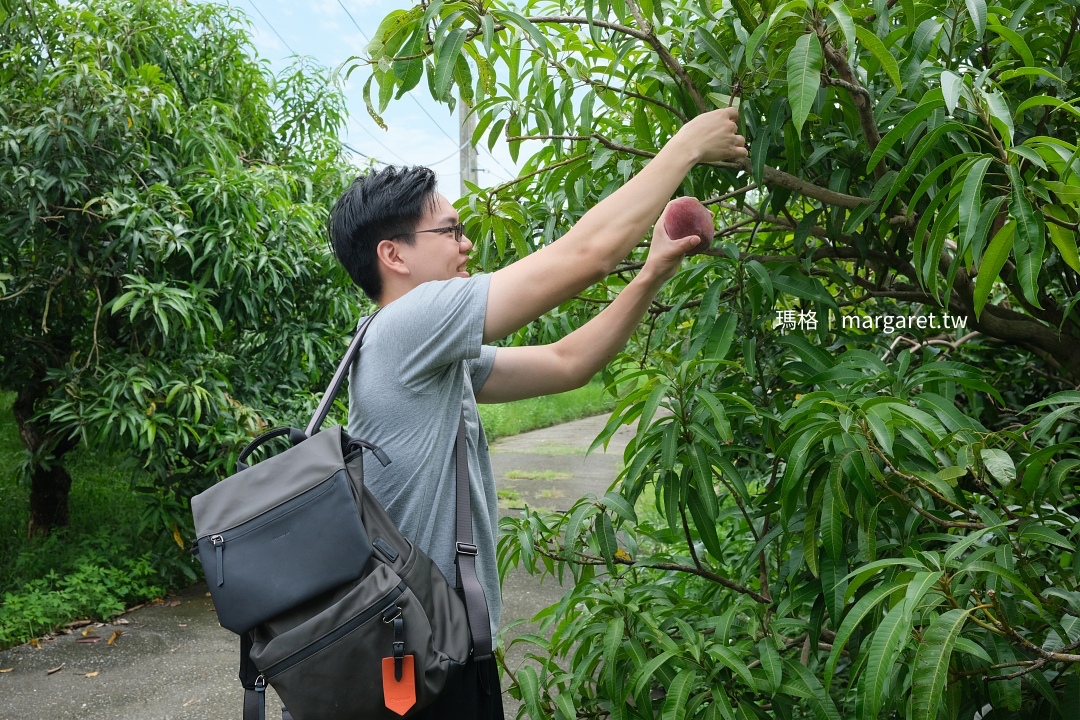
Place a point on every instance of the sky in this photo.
(420, 131)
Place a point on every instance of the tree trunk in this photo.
(49, 490)
(50, 483)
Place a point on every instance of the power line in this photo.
(252, 3)
(372, 136)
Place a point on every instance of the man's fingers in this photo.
(688, 243)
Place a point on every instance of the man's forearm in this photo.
(615, 225)
(592, 346)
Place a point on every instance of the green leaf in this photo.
(989, 213)
(770, 663)
(918, 586)
(888, 641)
(902, 129)
(950, 88)
(447, 59)
(729, 659)
(529, 684)
(832, 528)
(707, 40)
(931, 670)
(964, 543)
(1029, 243)
(971, 200)
(1017, 42)
(615, 501)
(704, 521)
(999, 464)
(678, 693)
(644, 675)
(999, 110)
(612, 640)
(123, 300)
(977, 12)
(992, 262)
(1063, 239)
(820, 702)
(852, 618)
(962, 644)
(605, 537)
(981, 566)
(877, 48)
(1034, 531)
(803, 77)
(843, 19)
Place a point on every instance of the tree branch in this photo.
(586, 559)
(544, 169)
(772, 176)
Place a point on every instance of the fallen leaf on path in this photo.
(114, 637)
(183, 624)
(79, 624)
(35, 643)
(87, 631)
(91, 639)
(174, 603)
(122, 621)
(93, 674)
(4, 670)
(56, 669)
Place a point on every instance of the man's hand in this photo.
(713, 136)
(666, 254)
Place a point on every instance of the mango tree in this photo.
(852, 491)
(165, 288)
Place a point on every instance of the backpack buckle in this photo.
(466, 549)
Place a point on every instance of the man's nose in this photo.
(468, 243)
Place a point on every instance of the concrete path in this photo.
(172, 661)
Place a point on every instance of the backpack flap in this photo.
(280, 532)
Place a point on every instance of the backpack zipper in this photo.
(375, 610)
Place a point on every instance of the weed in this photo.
(538, 475)
(517, 417)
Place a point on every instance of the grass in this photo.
(517, 417)
(548, 448)
(538, 475)
(101, 563)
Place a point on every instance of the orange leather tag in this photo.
(400, 694)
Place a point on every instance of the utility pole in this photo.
(467, 151)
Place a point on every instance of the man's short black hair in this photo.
(378, 206)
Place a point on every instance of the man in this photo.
(425, 358)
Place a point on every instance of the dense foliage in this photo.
(165, 286)
(858, 511)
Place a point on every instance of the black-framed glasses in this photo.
(458, 230)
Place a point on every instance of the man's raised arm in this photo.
(526, 289)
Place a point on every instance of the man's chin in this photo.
(463, 273)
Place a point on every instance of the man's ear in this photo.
(390, 257)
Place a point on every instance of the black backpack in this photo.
(334, 606)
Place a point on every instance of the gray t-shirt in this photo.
(420, 366)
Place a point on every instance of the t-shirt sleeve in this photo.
(480, 368)
(435, 325)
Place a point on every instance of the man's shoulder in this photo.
(433, 291)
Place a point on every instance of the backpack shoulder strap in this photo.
(466, 551)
